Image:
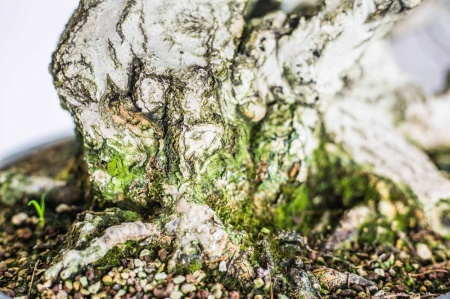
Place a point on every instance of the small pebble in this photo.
(179, 279)
(61, 295)
(197, 273)
(118, 280)
(120, 293)
(216, 290)
(149, 287)
(202, 293)
(116, 287)
(162, 253)
(84, 281)
(348, 292)
(68, 285)
(107, 280)
(143, 283)
(160, 276)
(176, 295)
(190, 278)
(144, 252)
(159, 293)
(379, 272)
(201, 276)
(130, 281)
(24, 233)
(138, 263)
(19, 218)
(223, 266)
(258, 283)
(61, 208)
(94, 288)
(379, 293)
(187, 287)
(76, 286)
(124, 275)
(424, 252)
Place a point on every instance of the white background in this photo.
(29, 107)
(30, 113)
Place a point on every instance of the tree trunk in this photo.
(216, 120)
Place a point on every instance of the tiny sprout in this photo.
(40, 209)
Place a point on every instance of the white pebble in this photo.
(161, 276)
(424, 252)
(84, 281)
(93, 289)
(144, 252)
(61, 295)
(120, 293)
(18, 219)
(223, 266)
(179, 279)
(61, 208)
(138, 263)
(379, 271)
(176, 295)
(187, 287)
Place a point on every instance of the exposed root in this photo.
(332, 280)
(72, 260)
(375, 144)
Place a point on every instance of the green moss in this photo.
(122, 171)
(376, 232)
(115, 167)
(121, 251)
(334, 184)
(234, 210)
(126, 183)
(194, 266)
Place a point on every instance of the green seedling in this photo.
(40, 210)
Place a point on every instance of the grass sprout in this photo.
(40, 209)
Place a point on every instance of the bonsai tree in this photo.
(216, 123)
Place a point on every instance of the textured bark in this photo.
(209, 122)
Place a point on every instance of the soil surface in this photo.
(418, 268)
